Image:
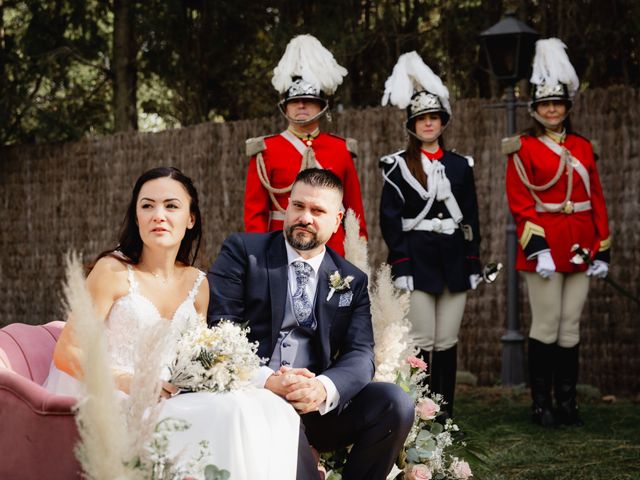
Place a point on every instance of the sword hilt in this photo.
(581, 255)
(491, 271)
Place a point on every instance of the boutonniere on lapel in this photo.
(338, 284)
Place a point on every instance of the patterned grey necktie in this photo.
(301, 302)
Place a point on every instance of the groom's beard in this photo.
(298, 242)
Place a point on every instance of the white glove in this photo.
(598, 269)
(545, 267)
(475, 280)
(404, 283)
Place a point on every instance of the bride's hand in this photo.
(168, 390)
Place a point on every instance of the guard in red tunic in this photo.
(554, 193)
(306, 74)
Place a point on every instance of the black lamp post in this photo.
(509, 46)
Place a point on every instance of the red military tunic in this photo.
(282, 162)
(559, 231)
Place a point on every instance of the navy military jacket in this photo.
(434, 259)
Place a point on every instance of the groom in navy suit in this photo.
(314, 330)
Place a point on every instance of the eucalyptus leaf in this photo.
(423, 436)
(412, 455)
(211, 472)
(437, 428)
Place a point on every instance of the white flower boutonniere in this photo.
(338, 284)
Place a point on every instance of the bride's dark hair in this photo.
(129, 246)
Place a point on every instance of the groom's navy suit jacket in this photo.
(249, 284)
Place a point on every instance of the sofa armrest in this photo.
(36, 397)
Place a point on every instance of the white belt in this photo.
(570, 207)
(446, 226)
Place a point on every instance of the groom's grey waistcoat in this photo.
(294, 347)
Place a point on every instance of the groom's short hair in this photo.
(319, 177)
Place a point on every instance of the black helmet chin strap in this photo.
(546, 123)
(426, 140)
(315, 118)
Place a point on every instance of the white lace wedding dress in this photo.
(252, 433)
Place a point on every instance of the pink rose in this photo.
(418, 363)
(461, 469)
(427, 409)
(418, 472)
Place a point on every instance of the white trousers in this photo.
(556, 306)
(436, 319)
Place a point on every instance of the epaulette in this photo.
(255, 146)
(595, 144)
(468, 158)
(351, 143)
(352, 146)
(391, 158)
(510, 145)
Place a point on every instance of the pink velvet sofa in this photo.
(37, 428)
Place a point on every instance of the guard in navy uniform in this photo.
(429, 220)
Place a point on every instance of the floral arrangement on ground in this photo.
(434, 448)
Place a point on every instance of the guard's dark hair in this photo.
(413, 152)
(129, 246)
(318, 177)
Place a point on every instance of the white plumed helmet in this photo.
(553, 77)
(307, 70)
(414, 86)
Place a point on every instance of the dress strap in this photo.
(133, 283)
(196, 285)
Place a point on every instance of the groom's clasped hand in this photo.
(299, 387)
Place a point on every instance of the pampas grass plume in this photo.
(389, 309)
(355, 246)
(99, 416)
(144, 409)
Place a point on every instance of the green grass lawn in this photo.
(497, 420)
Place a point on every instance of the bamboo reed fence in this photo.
(73, 196)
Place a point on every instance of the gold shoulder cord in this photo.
(565, 162)
(308, 161)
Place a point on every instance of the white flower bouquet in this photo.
(217, 359)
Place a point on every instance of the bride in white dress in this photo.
(148, 279)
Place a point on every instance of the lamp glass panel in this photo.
(527, 49)
(503, 55)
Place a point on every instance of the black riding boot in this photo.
(541, 357)
(443, 377)
(565, 380)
